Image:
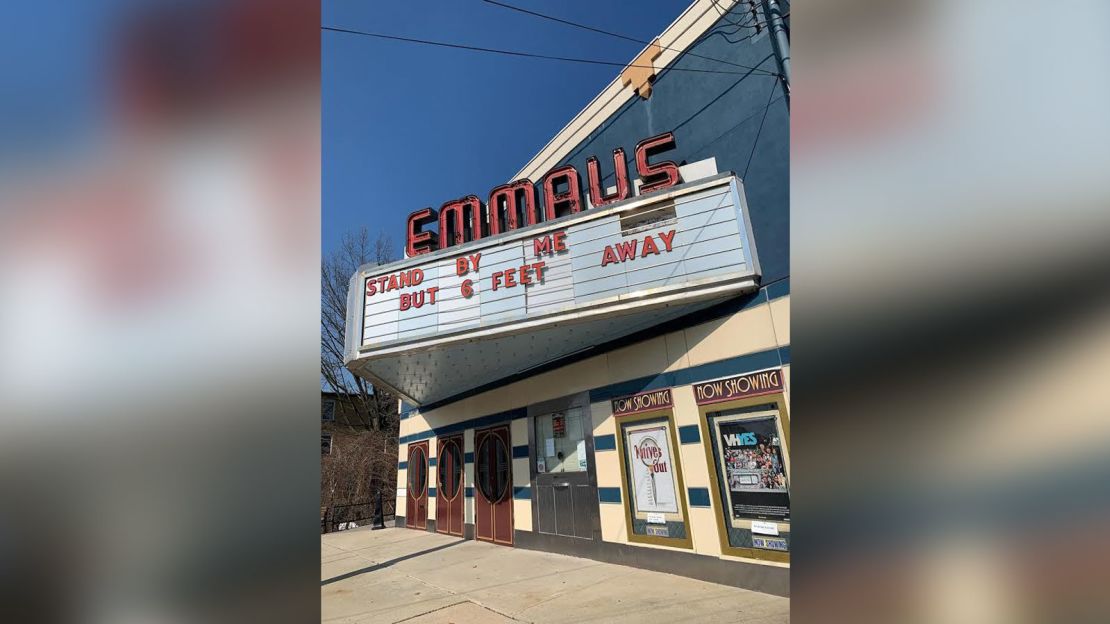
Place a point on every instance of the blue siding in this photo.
(468, 457)
(431, 461)
(778, 289)
(716, 115)
(522, 493)
(609, 494)
(689, 434)
(401, 465)
(607, 442)
(699, 497)
(431, 492)
(469, 492)
(520, 451)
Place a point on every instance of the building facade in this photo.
(595, 357)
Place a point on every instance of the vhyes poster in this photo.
(653, 480)
(754, 469)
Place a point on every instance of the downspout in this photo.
(779, 41)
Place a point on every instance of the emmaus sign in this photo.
(515, 204)
(649, 247)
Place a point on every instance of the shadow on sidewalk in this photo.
(386, 564)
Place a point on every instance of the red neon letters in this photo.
(597, 195)
(623, 252)
(662, 174)
(467, 219)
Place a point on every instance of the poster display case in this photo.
(747, 450)
(651, 473)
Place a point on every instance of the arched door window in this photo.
(418, 474)
(493, 469)
(450, 469)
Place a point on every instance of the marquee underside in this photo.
(431, 374)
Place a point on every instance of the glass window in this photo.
(450, 469)
(561, 441)
(751, 467)
(327, 413)
(417, 471)
(325, 444)
(493, 468)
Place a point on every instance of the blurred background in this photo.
(159, 280)
(950, 211)
(159, 291)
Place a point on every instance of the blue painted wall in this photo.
(716, 115)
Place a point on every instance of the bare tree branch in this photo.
(348, 478)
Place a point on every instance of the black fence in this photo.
(363, 513)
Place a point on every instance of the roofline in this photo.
(685, 23)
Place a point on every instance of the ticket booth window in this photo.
(561, 442)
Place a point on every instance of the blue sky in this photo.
(407, 126)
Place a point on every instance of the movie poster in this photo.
(754, 470)
(653, 480)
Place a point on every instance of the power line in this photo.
(752, 22)
(612, 34)
(526, 54)
(569, 59)
(755, 143)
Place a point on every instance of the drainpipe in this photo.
(780, 41)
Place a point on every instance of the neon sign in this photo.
(515, 204)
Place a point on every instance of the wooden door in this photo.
(416, 508)
(449, 486)
(493, 480)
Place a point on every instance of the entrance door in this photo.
(416, 508)
(566, 489)
(493, 476)
(449, 491)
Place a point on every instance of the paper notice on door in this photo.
(765, 528)
(582, 455)
(541, 465)
(549, 447)
(656, 518)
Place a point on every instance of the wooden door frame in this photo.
(509, 494)
(461, 494)
(411, 522)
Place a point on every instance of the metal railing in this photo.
(367, 511)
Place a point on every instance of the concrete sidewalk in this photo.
(400, 575)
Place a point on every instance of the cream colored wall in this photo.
(756, 329)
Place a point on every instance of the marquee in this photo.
(444, 322)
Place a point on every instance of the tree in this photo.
(364, 456)
(355, 250)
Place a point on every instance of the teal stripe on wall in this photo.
(689, 434)
(684, 377)
(609, 494)
(699, 497)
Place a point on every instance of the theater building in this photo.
(595, 356)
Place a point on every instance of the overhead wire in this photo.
(614, 34)
(460, 46)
